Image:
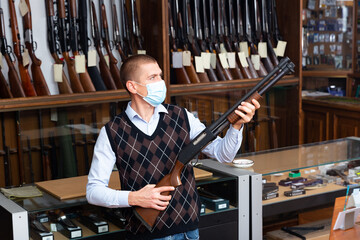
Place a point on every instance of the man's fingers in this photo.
(165, 189)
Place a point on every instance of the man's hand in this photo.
(246, 112)
(150, 197)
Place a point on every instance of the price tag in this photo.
(25, 57)
(80, 63)
(244, 48)
(255, 58)
(262, 49)
(280, 48)
(107, 60)
(177, 59)
(199, 64)
(58, 70)
(231, 59)
(186, 58)
(141, 52)
(53, 115)
(222, 48)
(213, 60)
(91, 58)
(242, 58)
(1, 60)
(206, 59)
(23, 8)
(223, 60)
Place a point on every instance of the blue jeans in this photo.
(190, 235)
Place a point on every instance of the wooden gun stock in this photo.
(64, 86)
(26, 81)
(14, 80)
(85, 79)
(105, 71)
(74, 78)
(149, 216)
(4, 88)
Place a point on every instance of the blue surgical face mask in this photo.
(156, 92)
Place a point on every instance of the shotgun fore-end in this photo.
(233, 117)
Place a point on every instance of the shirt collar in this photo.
(130, 112)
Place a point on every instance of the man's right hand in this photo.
(150, 197)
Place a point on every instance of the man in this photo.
(143, 142)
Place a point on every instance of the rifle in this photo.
(223, 33)
(104, 69)
(23, 70)
(84, 77)
(73, 140)
(272, 125)
(208, 43)
(19, 148)
(62, 29)
(190, 70)
(203, 77)
(83, 34)
(86, 154)
(126, 29)
(6, 158)
(38, 77)
(45, 170)
(138, 38)
(54, 162)
(115, 72)
(64, 86)
(118, 31)
(15, 89)
(199, 37)
(181, 75)
(148, 216)
(215, 43)
(30, 160)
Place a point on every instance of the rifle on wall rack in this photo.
(117, 31)
(6, 153)
(83, 36)
(23, 69)
(115, 72)
(137, 37)
(40, 85)
(126, 29)
(104, 69)
(148, 216)
(84, 76)
(64, 86)
(62, 29)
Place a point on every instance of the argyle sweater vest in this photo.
(143, 159)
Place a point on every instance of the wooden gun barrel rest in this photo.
(75, 187)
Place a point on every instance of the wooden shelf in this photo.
(62, 100)
(181, 89)
(333, 73)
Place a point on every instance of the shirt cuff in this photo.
(123, 198)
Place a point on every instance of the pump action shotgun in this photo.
(148, 216)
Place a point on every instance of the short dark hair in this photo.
(131, 65)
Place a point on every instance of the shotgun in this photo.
(45, 170)
(117, 31)
(26, 81)
(104, 69)
(148, 216)
(180, 72)
(64, 86)
(73, 140)
(62, 29)
(15, 89)
(19, 149)
(40, 85)
(85, 148)
(115, 71)
(74, 31)
(83, 34)
(138, 38)
(126, 29)
(30, 160)
(6, 157)
(53, 155)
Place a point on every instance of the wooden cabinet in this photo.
(329, 118)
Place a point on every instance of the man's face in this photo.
(147, 73)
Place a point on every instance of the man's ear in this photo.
(131, 87)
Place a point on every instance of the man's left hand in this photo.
(246, 112)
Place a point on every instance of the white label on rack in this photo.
(141, 52)
(206, 59)
(255, 58)
(223, 60)
(58, 70)
(222, 48)
(92, 58)
(53, 115)
(25, 57)
(280, 48)
(80, 63)
(53, 227)
(222, 206)
(213, 60)
(199, 64)
(244, 48)
(23, 8)
(186, 58)
(107, 60)
(242, 58)
(177, 59)
(231, 59)
(262, 49)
